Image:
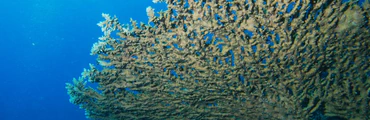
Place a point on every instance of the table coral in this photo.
(232, 59)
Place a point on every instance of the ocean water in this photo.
(46, 43)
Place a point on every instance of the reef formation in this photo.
(232, 59)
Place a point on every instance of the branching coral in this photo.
(218, 59)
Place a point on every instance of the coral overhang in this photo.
(233, 59)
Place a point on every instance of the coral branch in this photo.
(239, 59)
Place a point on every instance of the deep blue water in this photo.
(46, 43)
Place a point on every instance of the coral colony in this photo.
(232, 59)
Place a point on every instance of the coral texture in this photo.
(232, 59)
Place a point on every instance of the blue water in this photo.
(44, 44)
